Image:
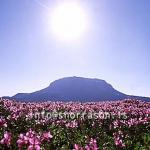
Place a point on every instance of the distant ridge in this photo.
(76, 89)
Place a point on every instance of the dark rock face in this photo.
(76, 89)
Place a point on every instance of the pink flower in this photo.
(77, 147)
(93, 144)
(3, 123)
(87, 147)
(46, 136)
(34, 147)
(34, 143)
(6, 139)
(118, 139)
(23, 140)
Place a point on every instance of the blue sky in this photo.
(115, 48)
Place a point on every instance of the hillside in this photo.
(76, 89)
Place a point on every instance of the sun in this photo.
(68, 21)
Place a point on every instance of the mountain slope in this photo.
(76, 89)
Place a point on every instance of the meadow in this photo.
(110, 125)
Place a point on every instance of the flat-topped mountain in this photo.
(76, 89)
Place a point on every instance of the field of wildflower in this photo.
(116, 125)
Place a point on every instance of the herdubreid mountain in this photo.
(76, 89)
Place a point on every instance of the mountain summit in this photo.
(76, 89)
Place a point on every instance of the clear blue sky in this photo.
(116, 47)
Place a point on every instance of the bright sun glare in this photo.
(68, 21)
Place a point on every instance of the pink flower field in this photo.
(114, 125)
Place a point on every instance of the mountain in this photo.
(76, 89)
